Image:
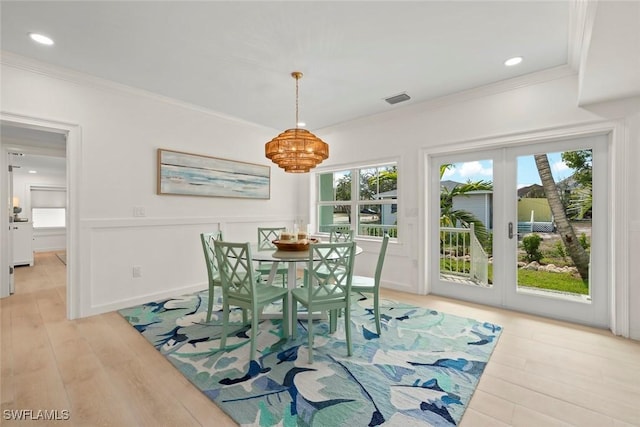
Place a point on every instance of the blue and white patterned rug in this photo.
(421, 371)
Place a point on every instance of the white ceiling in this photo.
(236, 57)
(40, 151)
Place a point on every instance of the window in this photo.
(48, 217)
(373, 210)
(48, 206)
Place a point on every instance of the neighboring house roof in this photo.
(534, 190)
(391, 194)
(450, 185)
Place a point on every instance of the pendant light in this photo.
(296, 150)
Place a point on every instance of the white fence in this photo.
(463, 255)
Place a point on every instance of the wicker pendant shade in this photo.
(296, 150)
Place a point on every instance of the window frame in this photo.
(355, 203)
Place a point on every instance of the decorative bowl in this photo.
(294, 245)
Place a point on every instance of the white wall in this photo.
(120, 132)
(477, 115)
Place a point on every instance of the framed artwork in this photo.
(189, 174)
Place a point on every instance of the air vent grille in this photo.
(398, 98)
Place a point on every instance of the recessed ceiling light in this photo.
(32, 171)
(42, 39)
(513, 61)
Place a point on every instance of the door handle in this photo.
(511, 230)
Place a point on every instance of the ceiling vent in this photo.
(398, 98)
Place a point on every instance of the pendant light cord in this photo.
(297, 77)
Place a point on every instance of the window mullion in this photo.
(355, 197)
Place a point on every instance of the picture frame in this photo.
(188, 174)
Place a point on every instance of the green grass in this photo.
(553, 281)
(537, 279)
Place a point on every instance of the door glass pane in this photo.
(466, 222)
(554, 223)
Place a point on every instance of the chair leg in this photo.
(294, 319)
(376, 310)
(254, 333)
(310, 336)
(285, 316)
(333, 320)
(210, 304)
(225, 324)
(347, 329)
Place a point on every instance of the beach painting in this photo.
(197, 175)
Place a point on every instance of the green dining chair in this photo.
(266, 236)
(371, 285)
(329, 291)
(340, 234)
(240, 288)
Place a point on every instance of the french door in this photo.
(524, 228)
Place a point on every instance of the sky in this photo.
(527, 171)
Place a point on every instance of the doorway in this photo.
(37, 190)
(524, 228)
(71, 150)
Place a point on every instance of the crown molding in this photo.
(581, 20)
(20, 62)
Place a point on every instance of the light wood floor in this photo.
(542, 372)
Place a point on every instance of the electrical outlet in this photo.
(136, 271)
(139, 211)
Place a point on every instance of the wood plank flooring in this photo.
(542, 372)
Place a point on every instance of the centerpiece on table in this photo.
(297, 241)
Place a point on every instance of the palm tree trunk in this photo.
(574, 249)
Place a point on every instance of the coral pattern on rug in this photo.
(421, 371)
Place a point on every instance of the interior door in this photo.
(10, 233)
(524, 228)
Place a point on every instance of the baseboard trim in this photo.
(141, 299)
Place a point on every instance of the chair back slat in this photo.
(236, 271)
(383, 251)
(341, 235)
(266, 236)
(207, 240)
(331, 272)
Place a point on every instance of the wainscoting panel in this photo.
(129, 261)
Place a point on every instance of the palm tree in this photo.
(577, 253)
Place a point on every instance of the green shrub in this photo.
(560, 250)
(584, 241)
(531, 244)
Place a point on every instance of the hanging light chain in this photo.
(297, 75)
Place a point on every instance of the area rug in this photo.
(421, 371)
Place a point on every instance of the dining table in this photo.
(293, 258)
